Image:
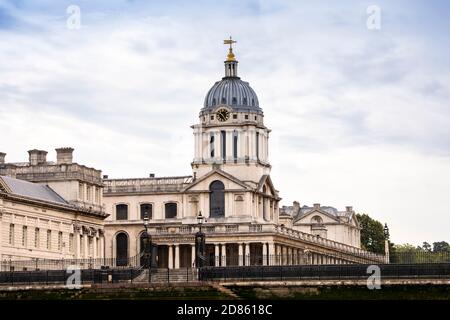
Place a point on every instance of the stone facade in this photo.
(231, 187)
(80, 215)
(50, 210)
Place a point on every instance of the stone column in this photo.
(247, 254)
(241, 254)
(170, 253)
(224, 255)
(264, 254)
(193, 255)
(217, 149)
(283, 255)
(216, 255)
(177, 256)
(102, 246)
(77, 245)
(86, 246)
(271, 257)
(94, 244)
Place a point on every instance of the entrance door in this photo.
(122, 249)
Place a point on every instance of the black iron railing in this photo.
(325, 272)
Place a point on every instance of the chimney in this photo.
(105, 176)
(151, 175)
(37, 157)
(64, 155)
(2, 157)
(316, 205)
(296, 206)
(349, 209)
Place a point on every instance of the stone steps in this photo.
(167, 275)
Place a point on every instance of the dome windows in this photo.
(244, 101)
(234, 101)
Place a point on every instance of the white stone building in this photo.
(231, 186)
(49, 210)
(64, 210)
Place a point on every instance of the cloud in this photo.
(359, 117)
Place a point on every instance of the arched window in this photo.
(170, 210)
(122, 249)
(234, 100)
(244, 101)
(121, 212)
(146, 208)
(224, 100)
(214, 102)
(217, 199)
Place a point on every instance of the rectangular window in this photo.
(88, 193)
(71, 242)
(81, 192)
(24, 236)
(211, 145)
(49, 239)
(37, 238)
(96, 192)
(257, 145)
(60, 235)
(11, 234)
(235, 144)
(224, 144)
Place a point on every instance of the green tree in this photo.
(441, 246)
(372, 234)
(426, 246)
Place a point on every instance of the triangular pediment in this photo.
(230, 182)
(266, 184)
(316, 212)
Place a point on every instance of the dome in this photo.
(233, 92)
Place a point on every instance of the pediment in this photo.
(230, 182)
(265, 183)
(326, 217)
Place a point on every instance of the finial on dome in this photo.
(230, 56)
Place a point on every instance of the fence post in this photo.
(168, 275)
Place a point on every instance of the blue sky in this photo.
(359, 117)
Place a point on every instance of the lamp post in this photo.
(199, 243)
(147, 239)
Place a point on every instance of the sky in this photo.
(359, 111)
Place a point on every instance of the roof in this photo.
(31, 190)
(303, 211)
(233, 92)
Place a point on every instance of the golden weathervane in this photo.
(230, 56)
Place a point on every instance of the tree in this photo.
(441, 246)
(372, 234)
(426, 246)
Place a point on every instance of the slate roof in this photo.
(31, 190)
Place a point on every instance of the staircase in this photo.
(167, 275)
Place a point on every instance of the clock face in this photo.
(223, 115)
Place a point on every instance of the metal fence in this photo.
(98, 276)
(63, 264)
(324, 272)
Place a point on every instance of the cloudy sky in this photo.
(360, 116)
